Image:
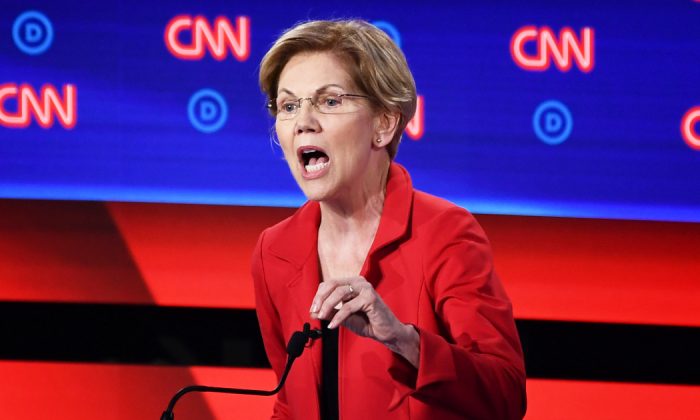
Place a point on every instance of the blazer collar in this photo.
(299, 240)
(397, 209)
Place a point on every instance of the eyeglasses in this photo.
(325, 103)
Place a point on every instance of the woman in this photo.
(416, 323)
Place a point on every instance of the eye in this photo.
(288, 106)
(331, 101)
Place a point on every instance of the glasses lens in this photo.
(287, 108)
(329, 103)
(326, 103)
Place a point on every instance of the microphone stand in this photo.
(295, 346)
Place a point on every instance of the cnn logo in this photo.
(563, 50)
(219, 39)
(416, 127)
(47, 106)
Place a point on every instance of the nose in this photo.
(306, 121)
(301, 101)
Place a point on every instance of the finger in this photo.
(322, 292)
(346, 311)
(342, 293)
(334, 301)
(349, 294)
(327, 287)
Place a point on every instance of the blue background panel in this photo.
(624, 157)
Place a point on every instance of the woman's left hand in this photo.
(353, 303)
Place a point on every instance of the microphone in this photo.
(295, 347)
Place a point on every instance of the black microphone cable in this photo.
(295, 347)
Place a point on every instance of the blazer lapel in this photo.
(299, 249)
(395, 217)
(310, 279)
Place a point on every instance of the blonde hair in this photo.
(377, 66)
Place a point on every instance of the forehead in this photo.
(306, 72)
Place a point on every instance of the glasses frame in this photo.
(272, 103)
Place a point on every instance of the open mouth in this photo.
(313, 159)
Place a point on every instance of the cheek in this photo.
(358, 141)
(285, 140)
(279, 132)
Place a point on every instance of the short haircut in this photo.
(376, 64)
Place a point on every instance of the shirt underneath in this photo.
(329, 377)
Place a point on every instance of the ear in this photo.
(386, 124)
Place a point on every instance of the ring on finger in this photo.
(351, 292)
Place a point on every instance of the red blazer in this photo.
(431, 263)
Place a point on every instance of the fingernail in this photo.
(314, 308)
(331, 325)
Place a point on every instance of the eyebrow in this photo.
(321, 89)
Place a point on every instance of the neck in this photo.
(361, 209)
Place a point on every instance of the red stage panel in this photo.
(574, 400)
(65, 251)
(599, 270)
(196, 255)
(117, 392)
(71, 391)
(168, 254)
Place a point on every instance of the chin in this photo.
(314, 193)
(315, 189)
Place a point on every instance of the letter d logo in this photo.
(32, 32)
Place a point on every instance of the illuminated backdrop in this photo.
(528, 108)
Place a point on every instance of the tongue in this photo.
(315, 160)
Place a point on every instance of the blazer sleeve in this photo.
(474, 367)
(270, 328)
